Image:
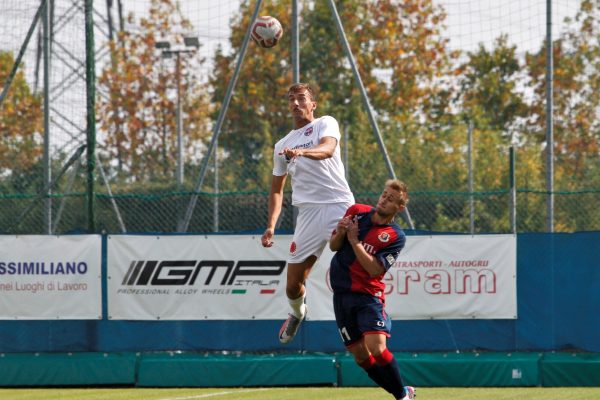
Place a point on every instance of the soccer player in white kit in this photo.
(310, 154)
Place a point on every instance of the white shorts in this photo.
(314, 227)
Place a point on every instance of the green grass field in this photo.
(296, 393)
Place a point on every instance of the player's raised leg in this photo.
(297, 274)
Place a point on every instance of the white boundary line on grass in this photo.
(207, 395)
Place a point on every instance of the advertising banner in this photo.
(50, 277)
(234, 277)
(443, 277)
(196, 277)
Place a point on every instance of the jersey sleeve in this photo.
(388, 255)
(352, 210)
(279, 163)
(329, 127)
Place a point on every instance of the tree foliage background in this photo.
(20, 126)
(425, 96)
(139, 112)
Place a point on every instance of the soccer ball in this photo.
(266, 31)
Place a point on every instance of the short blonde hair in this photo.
(400, 187)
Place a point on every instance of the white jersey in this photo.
(313, 181)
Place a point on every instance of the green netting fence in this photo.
(469, 87)
(247, 212)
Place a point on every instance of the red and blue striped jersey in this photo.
(382, 241)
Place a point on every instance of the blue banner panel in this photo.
(558, 288)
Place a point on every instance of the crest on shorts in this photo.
(293, 248)
(308, 131)
(383, 237)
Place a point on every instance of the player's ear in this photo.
(401, 207)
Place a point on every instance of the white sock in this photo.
(298, 306)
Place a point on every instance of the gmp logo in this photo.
(186, 272)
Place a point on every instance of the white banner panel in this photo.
(50, 277)
(234, 277)
(442, 277)
(196, 277)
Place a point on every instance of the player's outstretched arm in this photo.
(325, 149)
(275, 202)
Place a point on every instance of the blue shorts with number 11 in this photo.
(358, 314)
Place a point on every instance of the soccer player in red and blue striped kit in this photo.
(367, 242)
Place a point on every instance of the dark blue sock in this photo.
(375, 372)
(391, 373)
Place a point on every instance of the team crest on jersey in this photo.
(293, 248)
(383, 237)
(308, 131)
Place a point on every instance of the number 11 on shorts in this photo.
(344, 334)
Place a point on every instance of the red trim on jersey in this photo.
(362, 282)
(357, 209)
